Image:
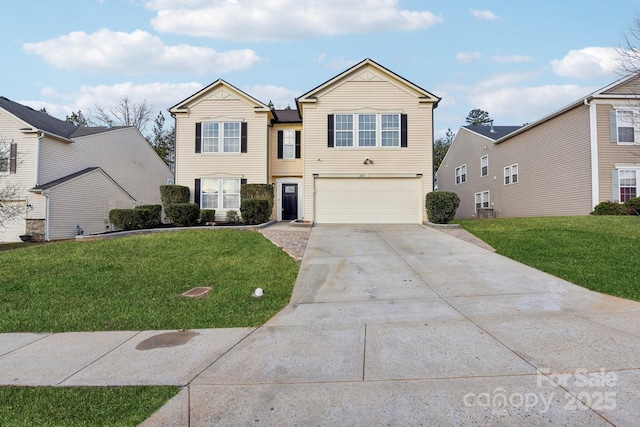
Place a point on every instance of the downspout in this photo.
(45, 193)
(38, 138)
(593, 133)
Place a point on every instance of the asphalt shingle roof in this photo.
(493, 132)
(287, 116)
(37, 119)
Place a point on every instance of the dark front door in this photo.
(289, 202)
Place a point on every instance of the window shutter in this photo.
(13, 158)
(198, 138)
(330, 130)
(615, 186)
(280, 144)
(243, 181)
(403, 130)
(243, 137)
(298, 144)
(196, 193)
(613, 126)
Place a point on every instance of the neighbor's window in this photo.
(5, 158)
(511, 174)
(461, 174)
(628, 185)
(214, 142)
(289, 144)
(220, 193)
(627, 123)
(484, 165)
(482, 200)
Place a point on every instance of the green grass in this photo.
(134, 283)
(600, 253)
(60, 406)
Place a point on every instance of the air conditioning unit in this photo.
(486, 213)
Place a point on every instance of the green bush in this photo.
(155, 214)
(183, 214)
(441, 206)
(207, 215)
(258, 191)
(633, 205)
(233, 217)
(255, 211)
(609, 208)
(130, 219)
(171, 194)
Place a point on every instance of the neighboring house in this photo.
(358, 149)
(69, 177)
(563, 164)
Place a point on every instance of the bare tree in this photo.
(629, 49)
(125, 113)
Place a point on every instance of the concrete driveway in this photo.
(405, 325)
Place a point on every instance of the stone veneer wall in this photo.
(36, 227)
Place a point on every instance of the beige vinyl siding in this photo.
(378, 95)
(284, 167)
(251, 165)
(632, 88)
(123, 154)
(554, 169)
(84, 201)
(610, 153)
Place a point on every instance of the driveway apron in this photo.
(406, 325)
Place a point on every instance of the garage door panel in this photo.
(368, 200)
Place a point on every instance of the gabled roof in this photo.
(37, 119)
(611, 91)
(86, 131)
(184, 104)
(287, 116)
(311, 95)
(56, 182)
(492, 132)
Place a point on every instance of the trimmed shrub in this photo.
(233, 217)
(257, 191)
(255, 211)
(441, 206)
(155, 214)
(171, 194)
(633, 205)
(183, 214)
(609, 208)
(207, 215)
(130, 219)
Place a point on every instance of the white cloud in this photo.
(340, 63)
(160, 95)
(518, 105)
(259, 20)
(280, 96)
(135, 53)
(485, 15)
(467, 57)
(588, 63)
(512, 58)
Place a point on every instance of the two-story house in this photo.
(563, 164)
(358, 148)
(66, 178)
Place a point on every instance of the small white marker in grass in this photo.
(257, 293)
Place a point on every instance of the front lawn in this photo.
(134, 283)
(61, 406)
(600, 253)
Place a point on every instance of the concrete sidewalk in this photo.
(388, 325)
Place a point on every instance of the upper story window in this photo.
(289, 144)
(221, 137)
(484, 165)
(627, 125)
(461, 174)
(8, 153)
(367, 130)
(511, 174)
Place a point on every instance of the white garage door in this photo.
(368, 200)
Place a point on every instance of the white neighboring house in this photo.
(70, 177)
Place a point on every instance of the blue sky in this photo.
(517, 60)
